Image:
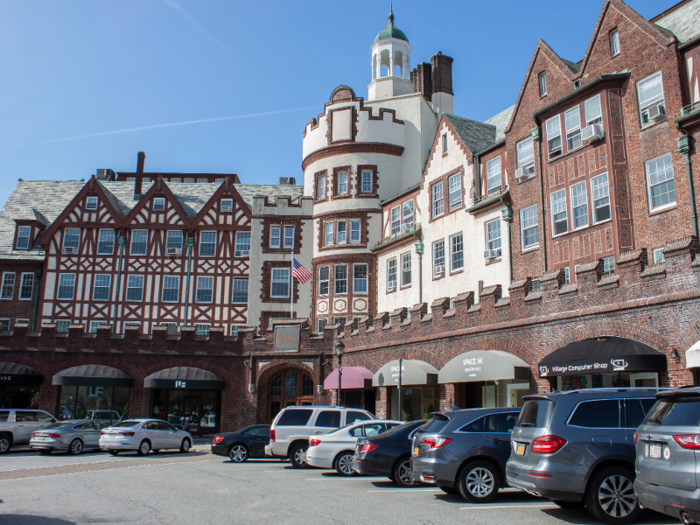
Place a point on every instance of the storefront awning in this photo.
(692, 356)
(415, 372)
(353, 377)
(92, 375)
(15, 373)
(600, 356)
(185, 377)
(483, 365)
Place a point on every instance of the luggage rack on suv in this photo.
(612, 389)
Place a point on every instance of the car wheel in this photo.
(45, 452)
(238, 453)
(297, 456)
(75, 447)
(571, 505)
(448, 490)
(402, 473)
(144, 447)
(113, 452)
(185, 447)
(343, 464)
(478, 482)
(5, 444)
(610, 497)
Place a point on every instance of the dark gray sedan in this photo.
(72, 436)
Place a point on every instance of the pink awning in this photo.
(353, 377)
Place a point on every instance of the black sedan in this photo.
(388, 454)
(248, 442)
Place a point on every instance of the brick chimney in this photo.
(421, 78)
(139, 174)
(142, 158)
(442, 96)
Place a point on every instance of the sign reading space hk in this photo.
(287, 338)
(473, 366)
(396, 372)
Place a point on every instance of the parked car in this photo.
(104, 416)
(17, 426)
(144, 435)
(577, 448)
(668, 450)
(337, 448)
(291, 429)
(464, 451)
(388, 454)
(248, 442)
(67, 436)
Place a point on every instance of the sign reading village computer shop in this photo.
(286, 338)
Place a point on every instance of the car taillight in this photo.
(33, 434)
(55, 436)
(218, 439)
(636, 437)
(435, 442)
(314, 442)
(127, 433)
(547, 444)
(368, 447)
(272, 436)
(691, 441)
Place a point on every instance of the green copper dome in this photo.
(390, 31)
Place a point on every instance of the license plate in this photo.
(520, 449)
(40, 438)
(416, 451)
(112, 435)
(655, 451)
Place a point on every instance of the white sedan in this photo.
(144, 435)
(336, 449)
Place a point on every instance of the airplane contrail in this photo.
(168, 125)
(180, 11)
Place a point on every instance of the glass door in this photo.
(192, 412)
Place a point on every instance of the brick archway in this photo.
(269, 373)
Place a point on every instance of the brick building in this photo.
(551, 246)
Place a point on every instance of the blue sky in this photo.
(86, 69)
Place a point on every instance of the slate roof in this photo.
(248, 191)
(501, 121)
(684, 22)
(120, 195)
(476, 135)
(192, 196)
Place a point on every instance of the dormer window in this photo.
(159, 204)
(91, 203)
(23, 237)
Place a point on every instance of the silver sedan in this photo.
(144, 435)
(72, 436)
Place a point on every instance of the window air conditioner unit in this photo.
(492, 254)
(592, 133)
(520, 173)
(391, 286)
(174, 252)
(245, 253)
(406, 227)
(657, 112)
(70, 249)
(440, 269)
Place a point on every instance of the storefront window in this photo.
(107, 404)
(416, 402)
(610, 380)
(195, 411)
(19, 396)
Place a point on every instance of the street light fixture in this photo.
(339, 349)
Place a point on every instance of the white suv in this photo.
(291, 429)
(17, 425)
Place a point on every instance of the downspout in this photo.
(683, 144)
(543, 233)
(37, 278)
(190, 245)
(419, 250)
(121, 241)
(507, 215)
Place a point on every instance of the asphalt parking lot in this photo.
(199, 488)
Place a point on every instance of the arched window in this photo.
(289, 388)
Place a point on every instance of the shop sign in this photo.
(5, 378)
(615, 365)
(472, 366)
(180, 384)
(286, 338)
(397, 371)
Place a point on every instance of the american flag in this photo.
(298, 271)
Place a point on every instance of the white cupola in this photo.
(391, 63)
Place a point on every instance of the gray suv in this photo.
(577, 448)
(668, 452)
(17, 426)
(464, 451)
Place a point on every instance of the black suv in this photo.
(464, 451)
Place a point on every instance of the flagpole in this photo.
(291, 291)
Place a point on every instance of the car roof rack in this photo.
(616, 389)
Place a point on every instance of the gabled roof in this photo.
(684, 22)
(248, 191)
(193, 197)
(475, 135)
(149, 191)
(501, 120)
(226, 188)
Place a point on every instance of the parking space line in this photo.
(531, 506)
(408, 490)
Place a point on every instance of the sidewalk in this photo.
(201, 444)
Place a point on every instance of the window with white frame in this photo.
(438, 200)
(355, 232)
(171, 288)
(342, 183)
(139, 242)
(559, 222)
(234, 329)
(207, 244)
(91, 203)
(456, 252)
(101, 287)
(493, 175)
(280, 282)
(190, 181)
(340, 320)
(174, 239)
(226, 205)
(66, 287)
(661, 186)
(23, 237)
(323, 280)
(395, 220)
(444, 143)
(579, 205)
(240, 291)
(205, 289)
(439, 258)
(329, 233)
(529, 227)
(650, 92)
(455, 189)
(322, 322)
(321, 188)
(576, 268)
(289, 237)
(614, 42)
(202, 329)
(134, 288)
(8, 285)
(391, 274)
(567, 275)
(608, 266)
(95, 324)
(4, 325)
(658, 255)
(71, 240)
(554, 136)
(275, 236)
(526, 156)
(242, 244)
(360, 278)
(572, 119)
(341, 279)
(159, 204)
(367, 183)
(601, 198)
(542, 80)
(408, 214)
(62, 325)
(342, 233)
(26, 287)
(592, 111)
(493, 237)
(105, 242)
(405, 269)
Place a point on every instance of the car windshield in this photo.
(126, 424)
(536, 413)
(410, 424)
(57, 426)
